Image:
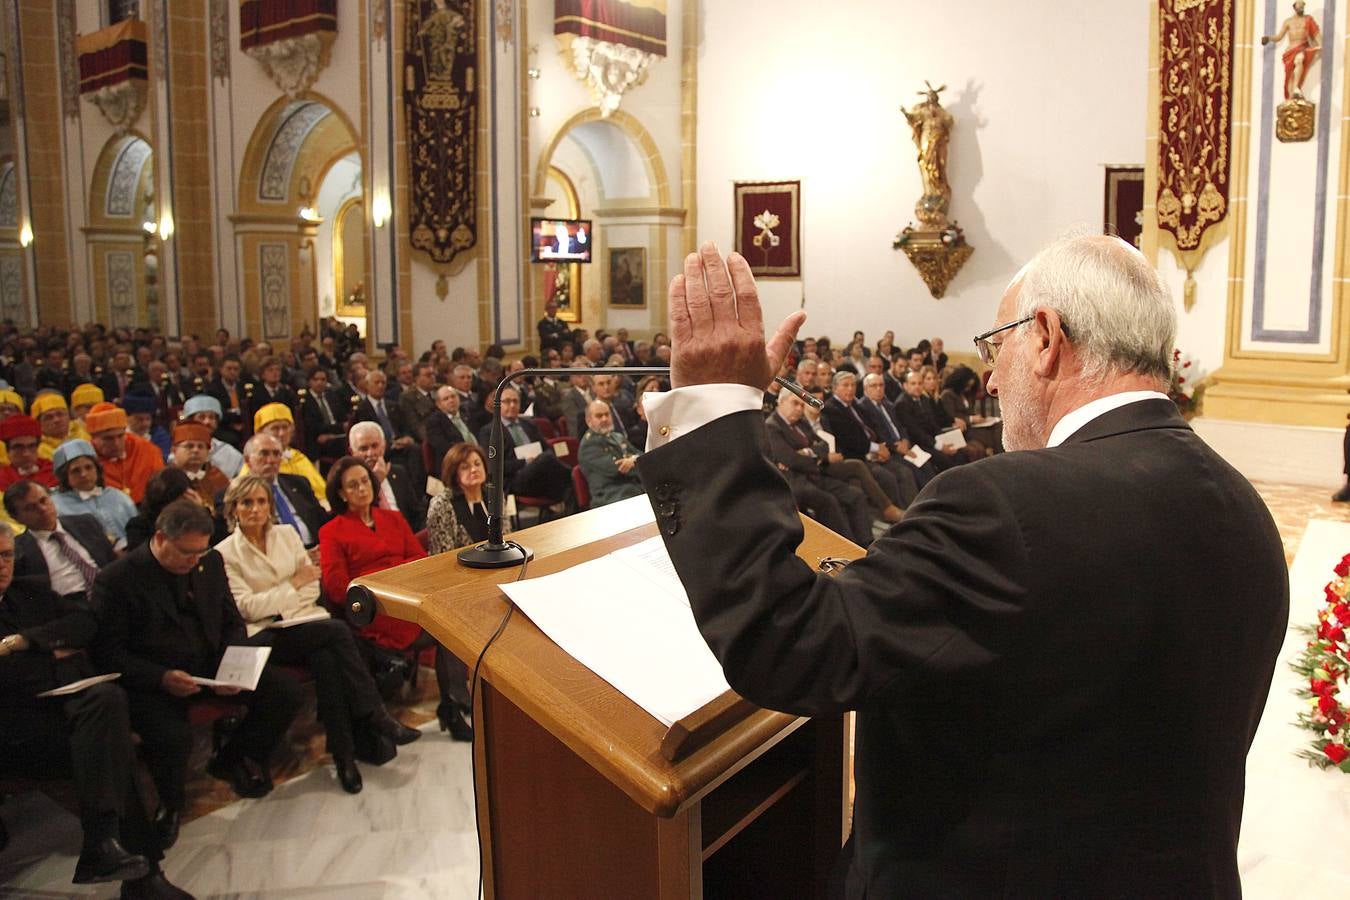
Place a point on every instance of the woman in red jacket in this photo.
(362, 538)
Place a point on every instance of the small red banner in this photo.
(112, 55)
(641, 28)
(768, 227)
(265, 21)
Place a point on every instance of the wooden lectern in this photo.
(581, 793)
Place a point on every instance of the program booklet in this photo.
(240, 667)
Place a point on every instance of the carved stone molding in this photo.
(294, 63)
(506, 22)
(275, 280)
(379, 19)
(121, 104)
(70, 63)
(220, 39)
(609, 70)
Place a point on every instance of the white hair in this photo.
(360, 429)
(1115, 309)
(843, 375)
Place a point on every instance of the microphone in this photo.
(495, 553)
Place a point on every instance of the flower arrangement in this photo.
(1325, 662)
(1186, 386)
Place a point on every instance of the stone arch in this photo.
(631, 128)
(123, 176)
(291, 135)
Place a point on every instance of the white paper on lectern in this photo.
(626, 617)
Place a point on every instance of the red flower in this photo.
(1187, 364)
(1343, 568)
(1336, 753)
(1321, 688)
(1327, 704)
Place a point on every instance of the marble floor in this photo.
(410, 834)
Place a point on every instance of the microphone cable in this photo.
(473, 692)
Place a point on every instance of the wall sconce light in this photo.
(166, 228)
(534, 72)
(534, 112)
(380, 210)
(149, 227)
(309, 214)
(25, 235)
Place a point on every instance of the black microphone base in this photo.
(486, 556)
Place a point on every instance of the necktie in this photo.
(463, 430)
(283, 508)
(86, 570)
(891, 434)
(619, 424)
(517, 434)
(384, 421)
(327, 413)
(871, 435)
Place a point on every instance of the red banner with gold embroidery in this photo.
(640, 24)
(264, 21)
(1195, 75)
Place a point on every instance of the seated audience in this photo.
(574, 398)
(385, 413)
(445, 427)
(21, 435)
(85, 736)
(607, 391)
(206, 410)
(295, 502)
(141, 406)
(395, 487)
(66, 552)
(856, 439)
(82, 399)
(607, 459)
(958, 393)
(458, 515)
(637, 432)
(363, 538)
(833, 503)
(919, 416)
(128, 461)
(542, 476)
(167, 486)
(192, 456)
(273, 580)
(81, 492)
(11, 404)
(880, 414)
(167, 615)
(277, 420)
(418, 401)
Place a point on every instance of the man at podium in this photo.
(1057, 676)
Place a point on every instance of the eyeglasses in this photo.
(987, 349)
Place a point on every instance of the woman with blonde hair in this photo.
(276, 588)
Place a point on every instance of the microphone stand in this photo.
(495, 553)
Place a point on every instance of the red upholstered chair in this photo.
(560, 426)
(428, 462)
(424, 540)
(566, 449)
(581, 488)
(545, 427)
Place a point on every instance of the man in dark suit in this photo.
(294, 499)
(880, 414)
(856, 439)
(446, 427)
(553, 332)
(837, 505)
(418, 401)
(543, 476)
(167, 615)
(621, 412)
(86, 734)
(1082, 774)
(321, 411)
(917, 418)
(230, 390)
(64, 552)
(270, 388)
(396, 487)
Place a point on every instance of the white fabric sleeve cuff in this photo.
(671, 414)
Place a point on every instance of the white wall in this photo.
(1043, 92)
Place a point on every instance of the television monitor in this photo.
(561, 240)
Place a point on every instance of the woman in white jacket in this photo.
(276, 588)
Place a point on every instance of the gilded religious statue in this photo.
(1295, 117)
(932, 127)
(938, 247)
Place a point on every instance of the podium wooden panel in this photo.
(574, 796)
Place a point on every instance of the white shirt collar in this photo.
(1072, 422)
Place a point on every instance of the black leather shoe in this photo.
(1343, 495)
(153, 887)
(244, 782)
(166, 827)
(349, 776)
(395, 730)
(451, 719)
(108, 860)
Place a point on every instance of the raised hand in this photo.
(717, 326)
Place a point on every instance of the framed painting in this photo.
(768, 227)
(1124, 202)
(628, 277)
